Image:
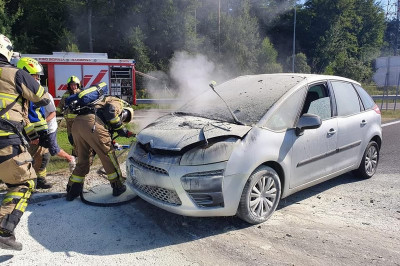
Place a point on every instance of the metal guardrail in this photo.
(386, 97)
(171, 101)
(157, 101)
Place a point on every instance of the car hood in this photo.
(173, 132)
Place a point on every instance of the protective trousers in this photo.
(90, 135)
(39, 160)
(17, 172)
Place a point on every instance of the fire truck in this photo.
(90, 68)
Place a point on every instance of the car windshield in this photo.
(249, 97)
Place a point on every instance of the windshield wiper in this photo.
(233, 115)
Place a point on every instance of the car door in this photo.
(313, 153)
(352, 123)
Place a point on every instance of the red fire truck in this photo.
(90, 68)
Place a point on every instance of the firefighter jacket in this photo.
(62, 110)
(109, 111)
(16, 85)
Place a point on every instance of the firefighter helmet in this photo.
(126, 114)
(6, 48)
(74, 79)
(30, 65)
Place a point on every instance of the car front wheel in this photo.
(260, 195)
(369, 162)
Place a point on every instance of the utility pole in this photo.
(219, 26)
(397, 28)
(294, 37)
(89, 5)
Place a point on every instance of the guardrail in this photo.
(171, 101)
(157, 101)
(386, 97)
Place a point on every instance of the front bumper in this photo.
(187, 190)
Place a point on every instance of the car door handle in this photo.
(363, 122)
(331, 131)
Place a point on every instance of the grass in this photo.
(390, 115)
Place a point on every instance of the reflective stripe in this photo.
(40, 91)
(115, 120)
(72, 116)
(83, 93)
(76, 179)
(115, 163)
(7, 99)
(42, 173)
(95, 88)
(29, 128)
(31, 184)
(21, 206)
(12, 195)
(5, 133)
(7, 96)
(112, 176)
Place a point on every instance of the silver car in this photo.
(239, 147)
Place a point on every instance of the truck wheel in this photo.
(260, 195)
(369, 162)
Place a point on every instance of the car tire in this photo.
(260, 196)
(369, 162)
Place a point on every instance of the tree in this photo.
(240, 40)
(300, 63)
(267, 58)
(352, 29)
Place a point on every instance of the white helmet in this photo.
(6, 47)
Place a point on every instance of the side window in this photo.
(347, 100)
(285, 116)
(367, 101)
(318, 102)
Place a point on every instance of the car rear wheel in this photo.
(260, 195)
(369, 162)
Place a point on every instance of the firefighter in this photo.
(17, 87)
(38, 119)
(93, 128)
(73, 87)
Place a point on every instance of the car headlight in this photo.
(213, 153)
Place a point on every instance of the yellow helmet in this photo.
(30, 65)
(127, 114)
(74, 79)
(6, 47)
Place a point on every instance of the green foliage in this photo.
(243, 36)
(240, 40)
(300, 64)
(268, 57)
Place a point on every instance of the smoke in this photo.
(191, 74)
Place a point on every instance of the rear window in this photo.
(367, 101)
(347, 100)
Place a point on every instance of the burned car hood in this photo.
(172, 132)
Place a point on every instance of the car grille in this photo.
(161, 194)
(148, 167)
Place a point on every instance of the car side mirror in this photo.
(307, 121)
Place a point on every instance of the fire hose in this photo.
(124, 149)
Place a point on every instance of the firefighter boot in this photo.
(118, 188)
(7, 240)
(74, 191)
(42, 183)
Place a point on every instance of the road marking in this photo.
(391, 123)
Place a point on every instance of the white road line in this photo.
(391, 123)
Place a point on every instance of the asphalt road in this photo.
(344, 221)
